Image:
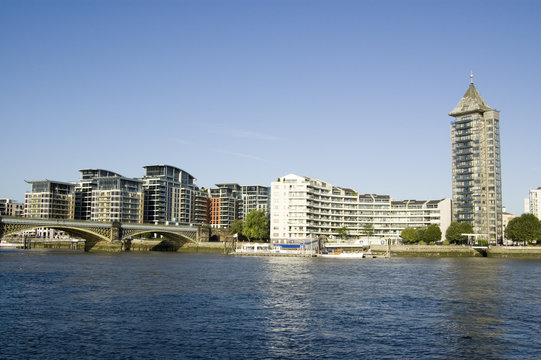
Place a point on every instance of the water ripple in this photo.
(145, 306)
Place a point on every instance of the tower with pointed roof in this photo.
(476, 165)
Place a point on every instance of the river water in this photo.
(66, 305)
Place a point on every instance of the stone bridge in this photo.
(111, 234)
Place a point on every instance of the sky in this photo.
(355, 93)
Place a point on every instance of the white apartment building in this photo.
(532, 204)
(304, 208)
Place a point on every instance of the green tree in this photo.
(342, 232)
(432, 234)
(409, 236)
(421, 234)
(368, 230)
(236, 227)
(454, 232)
(526, 227)
(256, 225)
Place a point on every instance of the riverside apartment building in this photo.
(304, 208)
(476, 165)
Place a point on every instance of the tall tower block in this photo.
(476, 163)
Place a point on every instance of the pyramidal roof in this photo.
(471, 102)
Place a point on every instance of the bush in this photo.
(446, 242)
(455, 230)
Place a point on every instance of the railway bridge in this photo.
(113, 234)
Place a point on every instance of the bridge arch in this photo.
(113, 233)
(90, 236)
(170, 241)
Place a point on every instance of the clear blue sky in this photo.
(355, 93)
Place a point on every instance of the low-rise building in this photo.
(507, 217)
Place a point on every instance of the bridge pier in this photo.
(104, 246)
(126, 244)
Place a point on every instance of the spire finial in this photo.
(471, 76)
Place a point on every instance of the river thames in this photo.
(66, 305)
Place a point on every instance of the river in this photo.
(66, 305)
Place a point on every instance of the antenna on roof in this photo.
(471, 77)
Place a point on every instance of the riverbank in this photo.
(459, 251)
(136, 246)
(221, 248)
(215, 247)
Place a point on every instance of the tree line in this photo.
(524, 229)
(256, 226)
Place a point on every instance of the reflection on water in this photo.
(476, 299)
(61, 305)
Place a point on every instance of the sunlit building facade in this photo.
(49, 200)
(170, 196)
(84, 188)
(229, 202)
(476, 165)
(10, 207)
(254, 197)
(532, 204)
(303, 208)
(117, 198)
(224, 205)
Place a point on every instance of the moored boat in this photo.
(6, 244)
(340, 254)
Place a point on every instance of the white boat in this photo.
(11, 245)
(340, 254)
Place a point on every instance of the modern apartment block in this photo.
(49, 200)
(170, 195)
(476, 165)
(117, 198)
(254, 197)
(10, 207)
(420, 213)
(532, 204)
(103, 195)
(200, 202)
(304, 208)
(229, 202)
(166, 194)
(224, 205)
(189, 205)
(84, 188)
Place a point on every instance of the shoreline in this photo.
(460, 251)
(441, 251)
